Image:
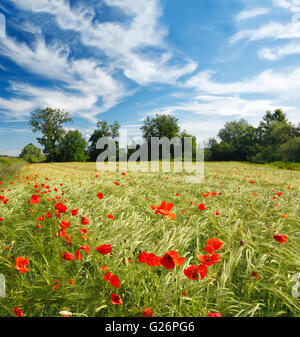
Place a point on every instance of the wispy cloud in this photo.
(282, 84)
(251, 13)
(272, 30)
(292, 5)
(90, 86)
(274, 54)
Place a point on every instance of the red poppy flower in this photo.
(151, 259)
(55, 284)
(74, 211)
(78, 255)
(214, 314)
(67, 256)
(255, 275)
(18, 312)
(110, 216)
(209, 260)
(84, 220)
(1, 219)
(34, 199)
(100, 195)
(61, 207)
(217, 213)
(165, 209)
(104, 249)
(83, 230)
(71, 282)
(170, 259)
(202, 207)
(116, 183)
(86, 248)
(280, 238)
(65, 224)
(21, 263)
(147, 312)
(213, 244)
(112, 279)
(116, 299)
(48, 215)
(193, 271)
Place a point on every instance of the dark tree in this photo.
(49, 122)
(103, 130)
(72, 147)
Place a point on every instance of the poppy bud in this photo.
(242, 242)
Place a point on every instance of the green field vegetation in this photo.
(9, 167)
(250, 214)
(286, 166)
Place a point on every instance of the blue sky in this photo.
(204, 61)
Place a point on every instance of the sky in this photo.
(204, 61)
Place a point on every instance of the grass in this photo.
(286, 166)
(229, 288)
(9, 167)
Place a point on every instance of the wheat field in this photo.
(242, 205)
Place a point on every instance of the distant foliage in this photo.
(275, 139)
(72, 147)
(31, 153)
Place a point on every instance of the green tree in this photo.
(241, 138)
(49, 122)
(289, 151)
(103, 130)
(31, 153)
(160, 126)
(72, 147)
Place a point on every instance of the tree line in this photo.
(275, 139)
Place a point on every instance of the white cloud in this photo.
(292, 5)
(46, 60)
(90, 87)
(283, 84)
(248, 14)
(273, 54)
(272, 30)
(122, 43)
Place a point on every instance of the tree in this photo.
(289, 151)
(233, 131)
(160, 126)
(242, 138)
(266, 126)
(50, 123)
(103, 130)
(72, 147)
(31, 153)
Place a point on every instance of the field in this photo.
(254, 274)
(8, 167)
